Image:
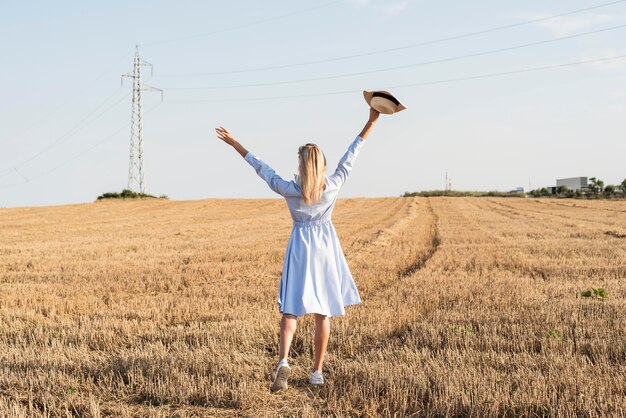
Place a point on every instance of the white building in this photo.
(573, 183)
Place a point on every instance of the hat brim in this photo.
(384, 105)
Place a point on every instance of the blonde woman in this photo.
(315, 277)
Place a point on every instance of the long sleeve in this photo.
(267, 173)
(345, 164)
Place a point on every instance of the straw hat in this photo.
(383, 101)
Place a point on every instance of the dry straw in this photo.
(472, 307)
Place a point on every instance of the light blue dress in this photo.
(315, 276)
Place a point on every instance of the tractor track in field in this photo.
(373, 235)
(386, 237)
(435, 240)
(394, 236)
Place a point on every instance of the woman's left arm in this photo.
(224, 135)
(267, 173)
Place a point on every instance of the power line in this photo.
(400, 67)
(426, 83)
(37, 121)
(502, 73)
(383, 51)
(103, 140)
(71, 132)
(20, 174)
(246, 25)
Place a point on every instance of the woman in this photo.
(315, 277)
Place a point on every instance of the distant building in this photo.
(574, 183)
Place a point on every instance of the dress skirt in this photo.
(315, 276)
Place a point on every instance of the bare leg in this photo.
(287, 329)
(322, 332)
(281, 375)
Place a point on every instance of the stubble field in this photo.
(471, 307)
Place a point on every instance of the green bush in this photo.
(129, 194)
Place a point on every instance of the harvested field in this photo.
(471, 307)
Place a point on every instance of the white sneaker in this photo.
(280, 376)
(316, 378)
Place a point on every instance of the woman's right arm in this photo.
(374, 114)
(345, 164)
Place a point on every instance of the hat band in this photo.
(386, 96)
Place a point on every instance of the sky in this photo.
(280, 73)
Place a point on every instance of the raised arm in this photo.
(267, 173)
(224, 135)
(345, 164)
(374, 114)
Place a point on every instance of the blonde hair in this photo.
(312, 168)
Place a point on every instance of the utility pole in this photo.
(136, 178)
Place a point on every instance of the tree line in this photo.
(595, 189)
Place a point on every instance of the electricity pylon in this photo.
(136, 178)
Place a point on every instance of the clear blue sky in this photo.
(62, 60)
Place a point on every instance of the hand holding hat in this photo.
(383, 101)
